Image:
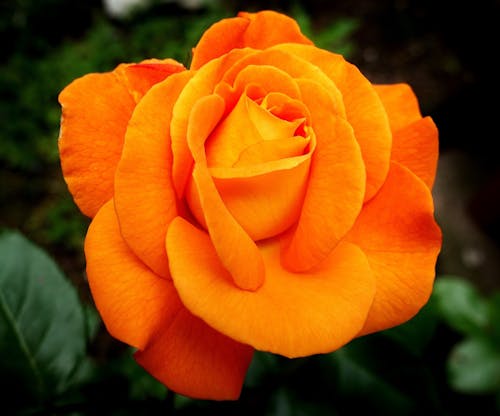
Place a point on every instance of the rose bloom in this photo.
(269, 197)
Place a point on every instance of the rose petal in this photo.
(140, 77)
(247, 125)
(293, 65)
(415, 139)
(145, 311)
(95, 111)
(202, 84)
(145, 200)
(133, 302)
(416, 147)
(335, 189)
(195, 360)
(397, 232)
(291, 314)
(264, 204)
(236, 249)
(400, 103)
(256, 30)
(363, 107)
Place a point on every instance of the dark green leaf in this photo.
(460, 305)
(474, 366)
(42, 334)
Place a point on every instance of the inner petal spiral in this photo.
(259, 158)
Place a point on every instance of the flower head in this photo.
(269, 197)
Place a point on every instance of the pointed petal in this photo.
(145, 199)
(291, 314)
(256, 30)
(416, 147)
(398, 233)
(415, 139)
(139, 78)
(195, 360)
(400, 103)
(335, 189)
(132, 301)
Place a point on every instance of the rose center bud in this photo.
(259, 158)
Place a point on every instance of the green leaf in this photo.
(42, 326)
(474, 366)
(460, 305)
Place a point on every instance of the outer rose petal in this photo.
(416, 147)
(193, 359)
(145, 199)
(415, 139)
(255, 30)
(95, 111)
(290, 314)
(145, 311)
(140, 77)
(133, 302)
(400, 103)
(398, 233)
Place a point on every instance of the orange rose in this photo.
(270, 198)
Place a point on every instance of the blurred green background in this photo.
(56, 357)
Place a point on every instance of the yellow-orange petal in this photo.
(397, 232)
(335, 189)
(246, 125)
(133, 302)
(291, 314)
(266, 204)
(416, 147)
(255, 30)
(196, 361)
(364, 110)
(401, 104)
(237, 251)
(95, 111)
(145, 199)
